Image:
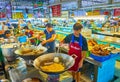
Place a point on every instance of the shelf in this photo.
(108, 34)
(38, 8)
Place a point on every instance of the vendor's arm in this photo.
(40, 34)
(84, 51)
(1, 38)
(49, 40)
(62, 42)
(67, 40)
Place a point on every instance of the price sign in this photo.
(56, 11)
(117, 12)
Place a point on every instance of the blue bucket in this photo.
(22, 39)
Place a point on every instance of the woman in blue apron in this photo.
(50, 38)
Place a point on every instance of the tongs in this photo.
(58, 49)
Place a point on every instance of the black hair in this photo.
(77, 26)
(29, 21)
(49, 25)
(15, 25)
(25, 27)
(7, 32)
(4, 23)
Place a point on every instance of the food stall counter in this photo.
(103, 69)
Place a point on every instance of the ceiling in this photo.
(84, 3)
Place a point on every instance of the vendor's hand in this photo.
(60, 44)
(6, 67)
(1, 38)
(43, 42)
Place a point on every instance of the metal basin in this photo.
(8, 51)
(67, 60)
(29, 56)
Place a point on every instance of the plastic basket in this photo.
(114, 55)
(100, 58)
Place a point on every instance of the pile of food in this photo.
(53, 66)
(30, 51)
(91, 43)
(115, 51)
(100, 50)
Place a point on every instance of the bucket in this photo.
(22, 39)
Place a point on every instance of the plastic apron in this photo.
(75, 50)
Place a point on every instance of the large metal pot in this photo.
(8, 51)
(29, 56)
(67, 60)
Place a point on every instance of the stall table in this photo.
(34, 73)
(103, 71)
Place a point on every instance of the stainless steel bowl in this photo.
(67, 60)
(8, 51)
(29, 56)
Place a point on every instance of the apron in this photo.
(50, 45)
(75, 49)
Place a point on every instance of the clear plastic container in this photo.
(14, 75)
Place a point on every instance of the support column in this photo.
(79, 3)
(110, 1)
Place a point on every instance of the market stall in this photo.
(24, 53)
(102, 67)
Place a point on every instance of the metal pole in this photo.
(110, 1)
(79, 3)
(11, 8)
(49, 17)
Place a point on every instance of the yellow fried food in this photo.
(99, 50)
(92, 42)
(55, 67)
(25, 50)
